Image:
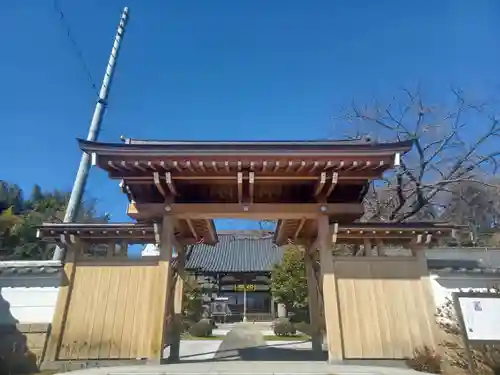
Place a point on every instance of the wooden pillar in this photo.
(330, 294)
(164, 290)
(380, 248)
(175, 343)
(428, 298)
(368, 247)
(313, 300)
(63, 299)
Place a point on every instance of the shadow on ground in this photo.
(277, 352)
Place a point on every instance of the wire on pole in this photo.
(77, 49)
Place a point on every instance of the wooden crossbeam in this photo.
(241, 210)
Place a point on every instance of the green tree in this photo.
(289, 281)
(25, 215)
(8, 220)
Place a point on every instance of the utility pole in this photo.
(95, 125)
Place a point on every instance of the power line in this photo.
(76, 48)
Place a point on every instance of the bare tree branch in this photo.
(451, 147)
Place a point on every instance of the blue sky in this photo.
(221, 69)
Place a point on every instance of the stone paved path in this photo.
(247, 368)
(246, 342)
(244, 351)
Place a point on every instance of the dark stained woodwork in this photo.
(320, 184)
(333, 182)
(251, 184)
(170, 183)
(249, 211)
(159, 186)
(240, 187)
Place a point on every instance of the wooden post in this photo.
(428, 299)
(314, 302)
(159, 326)
(175, 342)
(62, 305)
(330, 294)
(368, 247)
(380, 248)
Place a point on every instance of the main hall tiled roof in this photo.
(250, 251)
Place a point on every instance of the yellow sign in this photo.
(243, 287)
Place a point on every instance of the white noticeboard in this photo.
(481, 317)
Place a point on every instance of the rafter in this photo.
(301, 167)
(112, 165)
(124, 165)
(176, 166)
(139, 166)
(189, 166)
(314, 166)
(152, 165)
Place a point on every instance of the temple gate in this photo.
(113, 307)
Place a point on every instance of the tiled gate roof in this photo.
(251, 251)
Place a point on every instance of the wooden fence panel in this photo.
(384, 309)
(109, 312)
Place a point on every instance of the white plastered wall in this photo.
(28, 298)
(444, 284)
